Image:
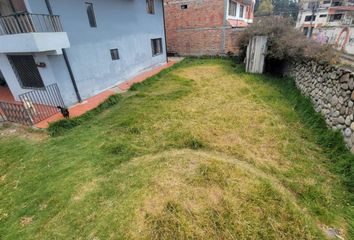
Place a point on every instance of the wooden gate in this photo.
(256, 51)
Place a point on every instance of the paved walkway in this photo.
(93, 102)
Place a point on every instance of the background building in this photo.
(205, 27)
(329, 22)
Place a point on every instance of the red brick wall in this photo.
(231, 35)
(199, 29)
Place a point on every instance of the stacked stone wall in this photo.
(331, 90)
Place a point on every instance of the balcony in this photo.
(28, 33)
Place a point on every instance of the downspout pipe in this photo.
(66, 59)
(164, 28)
(72, 77)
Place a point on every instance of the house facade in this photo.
(329, 22)
(205, 27)
(83, 46)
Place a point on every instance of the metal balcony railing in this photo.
(29, 23)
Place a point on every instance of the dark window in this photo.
(308, 18)
(156, 45)
(232, 8)
(337, 3)
(313, 5)
(26, 70)
(242, 8)
(150, 7)
(306, 30)
(335, 17)
(91, 15)
(184, 6)
(323, 15)
(326, 1)
(114, 54)
(6, 8)
(2, 79)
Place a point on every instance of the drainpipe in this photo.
(72, 77)
(164, 28)
(49, 7)
(66, 59)
(224, 23)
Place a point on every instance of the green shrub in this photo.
(285, 42)
(194, 143)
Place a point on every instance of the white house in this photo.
(84, 46)
(330, 22)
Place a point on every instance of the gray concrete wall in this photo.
(122, 24)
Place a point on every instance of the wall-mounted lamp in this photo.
(41, 65)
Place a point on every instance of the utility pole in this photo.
(314, 10)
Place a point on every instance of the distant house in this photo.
(82, 46)
(329, 22)
(205, 27)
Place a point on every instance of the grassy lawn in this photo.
(202, 151)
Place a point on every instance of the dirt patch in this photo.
(28, 133)
(85, 189)
(26, 221)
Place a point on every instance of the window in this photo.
(150, 7)
(115, 54)
(308, 18)
(335, 17)
(306, 30)
(184, 6)
(242, 8)
(232, 8)
(91, 14)
(336, 3)
(156, 45)
(326, 1)
(313, 5)
(236, 10)
(26, 70)
(323, 15)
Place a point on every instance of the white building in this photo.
(330, 22)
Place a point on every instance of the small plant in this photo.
(194, 143)
(134, 130)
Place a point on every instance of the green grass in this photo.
(200, 151)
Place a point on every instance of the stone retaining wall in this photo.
(331, 90)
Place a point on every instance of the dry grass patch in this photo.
(200, 196)
(85, 189)
(227, 117)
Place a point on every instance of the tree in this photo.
(285, 42)
(286, 8)
(265, 8)
(294, 9)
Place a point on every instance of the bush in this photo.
(285, 42)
